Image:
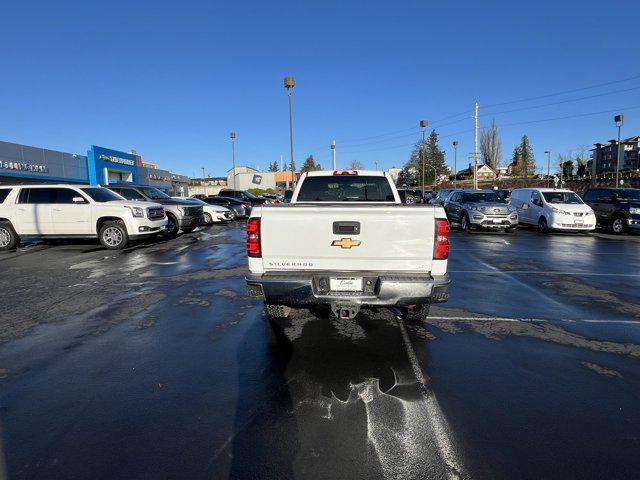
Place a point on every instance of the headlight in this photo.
(137, 212)
(634, 211)
(475, 208)
(511, 209)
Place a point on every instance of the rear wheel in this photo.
(276, 311)
(9, 239)
(618, 225)
(113, 235)
(542, 225)
(415, 314)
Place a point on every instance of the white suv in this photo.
(74, 211)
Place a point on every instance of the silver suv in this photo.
(480, 209)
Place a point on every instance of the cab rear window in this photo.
(4, 193)
(347, 188)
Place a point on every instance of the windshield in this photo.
(154, 194)
(629, 194)
(347, 188)
(561, 197)
(101, 195)
(481, 197)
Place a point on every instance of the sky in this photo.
(173, 79)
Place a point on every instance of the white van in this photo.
(553, 209)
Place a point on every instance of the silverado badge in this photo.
(345, 243)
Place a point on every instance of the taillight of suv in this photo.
(253, 238)
(441, 244)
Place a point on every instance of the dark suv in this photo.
(242, 195)
(617, 209)
(182, 214)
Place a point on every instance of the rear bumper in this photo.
(385, 290)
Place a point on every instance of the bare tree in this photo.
(355, 165)
(491, 146)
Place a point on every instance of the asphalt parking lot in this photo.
(152, 363)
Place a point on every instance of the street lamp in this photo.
(548, 153)
(619, 120)
(289, 83)
(333, 154)
(233, 156)
(455, 162)
(423, 127)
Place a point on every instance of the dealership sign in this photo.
(120, 160)
(257, 179)
(24, 167)
(161, 178)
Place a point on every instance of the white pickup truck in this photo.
(346, 241)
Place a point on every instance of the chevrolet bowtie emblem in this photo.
(345, 243)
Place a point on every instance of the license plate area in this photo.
(345, 284)
(578, 221)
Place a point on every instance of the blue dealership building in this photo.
(100, 166)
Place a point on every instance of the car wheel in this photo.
(208, 219)
(410, 200)
(276, 311)
(9, 239)
(172, 227)
(618, 225)
(113, 235)
(465, 224)
(415, 314)
(542, 225)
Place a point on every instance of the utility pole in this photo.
(333, 154)
(475, 153)
(376, 164)
(619, 119)
(289, 83)
(202, 172)
(423, 127)
(548, 167)
(233, 156)
(455, 162)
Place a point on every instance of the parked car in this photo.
(553, 209)
(440, 196)
(287, 196)
(243, 195)
(199, 196)
(480, 209)
(325, 250)
(181, 214)
(211, 213)
(271, 198)
(239, 208)
(503, 195)
(60, 211)
(617, 209)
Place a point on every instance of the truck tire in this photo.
(172, 227)
(113, 235)
(276, 311)
(9, 239)
(618, 225)
(416, 314)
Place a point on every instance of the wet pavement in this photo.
(152, 363)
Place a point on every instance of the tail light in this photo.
(345, 172)
(441, 242)
(253, 238)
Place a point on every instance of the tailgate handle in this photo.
(343, 228)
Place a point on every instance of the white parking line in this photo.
(531, 320)
(540, 272)
(440, 428)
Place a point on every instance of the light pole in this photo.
(333, 154)
(548, 167)
(423, 127)
(289, 83)
(233, 156)
(376, 164)
(455, 162)
(619, 119)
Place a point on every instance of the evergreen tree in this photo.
(433, 158)
(515, 165)
(527, 160)
(292, 166)
(310, 165)
(273, 167)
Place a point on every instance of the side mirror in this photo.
(78, 200)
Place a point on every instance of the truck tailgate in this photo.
(391, 238)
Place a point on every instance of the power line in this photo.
(570, 116)
(562, 92)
